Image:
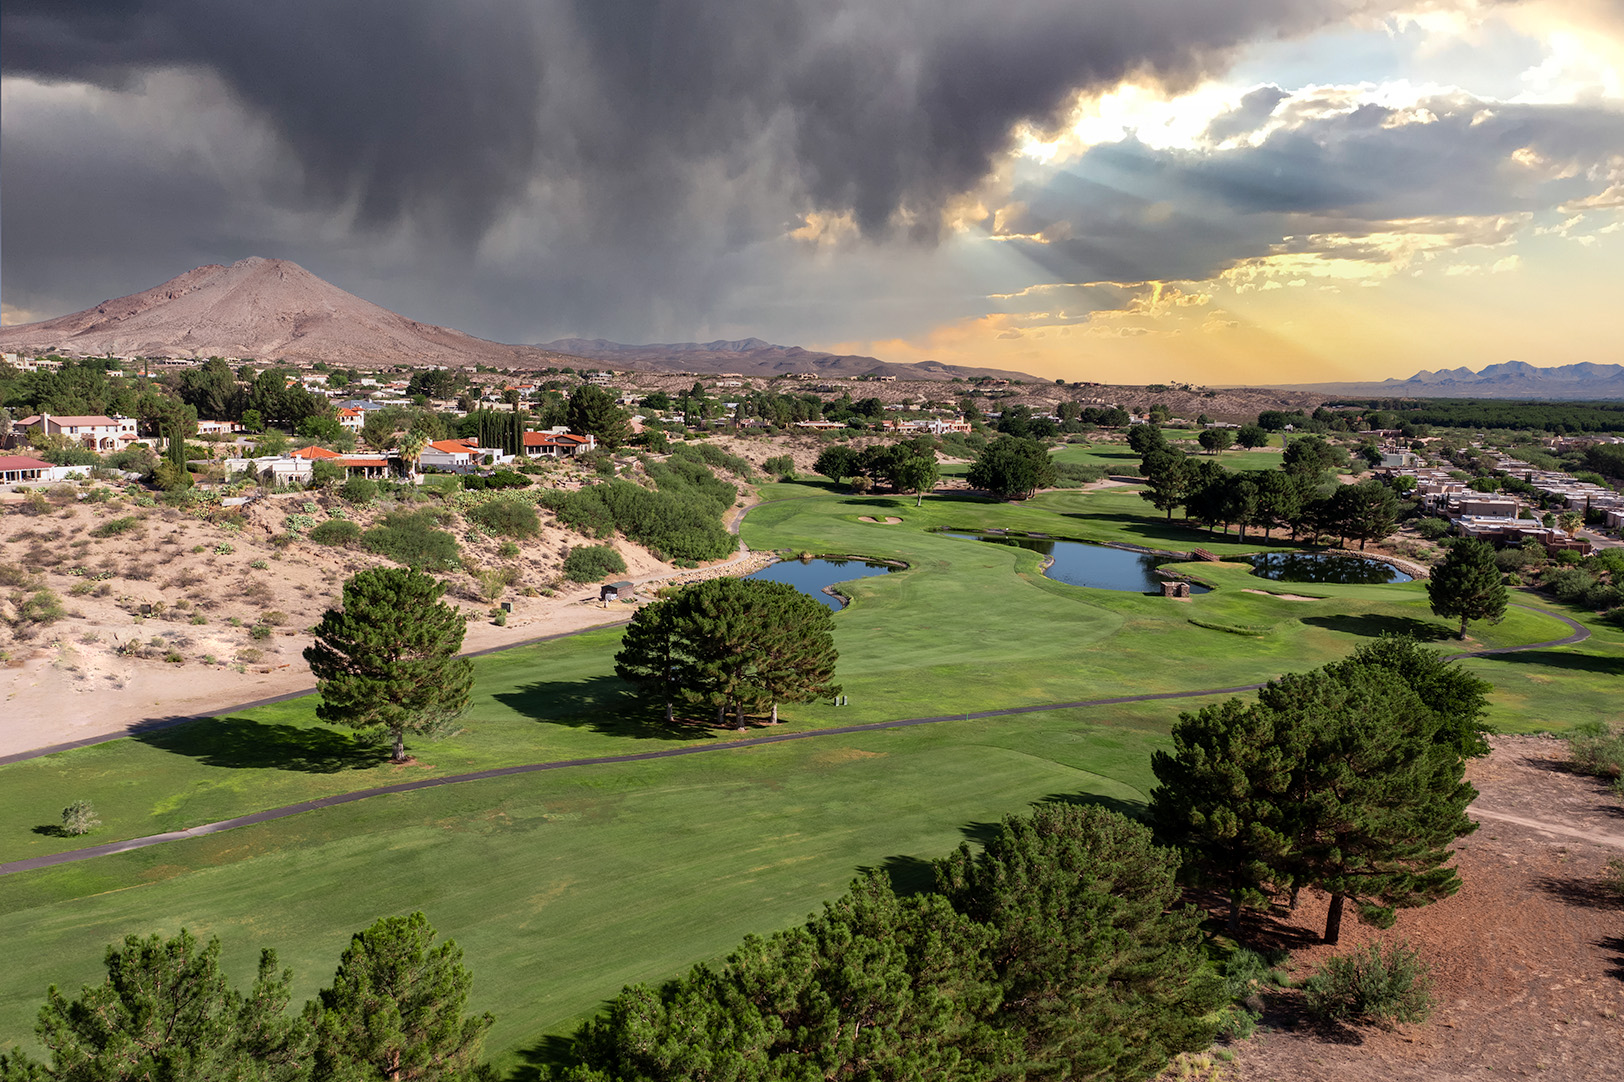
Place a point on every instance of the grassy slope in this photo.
(562, 886)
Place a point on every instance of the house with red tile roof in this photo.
(14, 468)
(558, 444)
(95, 431)
(461, 455)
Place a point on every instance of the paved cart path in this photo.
(1579, 634)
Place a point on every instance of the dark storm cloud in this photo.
(454, 106)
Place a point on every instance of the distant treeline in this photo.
(1554, 417)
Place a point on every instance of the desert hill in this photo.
(269, 309)
(1513, 379)
(754, 357)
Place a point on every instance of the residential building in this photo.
(96, 432)
(558, 444)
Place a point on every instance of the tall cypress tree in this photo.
(388, 657)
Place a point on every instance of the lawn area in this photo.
(564, 885)
(1119, 457)
(952, 634)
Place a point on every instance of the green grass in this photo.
(564, 885)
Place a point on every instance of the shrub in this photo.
(79, 818)
(261, 565)
(359, 490)
(116, 526)
(224, 548)
(260, 632)
(1376, 985)
(1596, 749)
(275, 618)
(589, 563)
(780, 466)
(1076, 474)
(336, 531)
(411, 538)
(498, 480)
(1433, 528)
(508, 550)
(41, 607)
(249, 654)
(507, 518)
(493, 580)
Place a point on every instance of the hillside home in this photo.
(352, 418)
(15, 468)
(555, 444)
(96, 432)
(460, 456)
(218, 428)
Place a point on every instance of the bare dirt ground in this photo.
(1527, 960)
(177, 616)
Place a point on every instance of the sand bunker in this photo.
(1283, 597)
(888, 520)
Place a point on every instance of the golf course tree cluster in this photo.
(1349, 778)
(1012, 468)
(1299, 497)
(395, 1011)
(1467, 583)
(387, 658)
(905, 466)
(1059, 951)
(732, 645)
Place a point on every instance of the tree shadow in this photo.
(52, 830)
(1567, 662)
(1583, 893)
(907, 875)
(1373, 626)
(871, 502)
(1615, 965)
(243, 743)
(1132, 809)
(543, 1058)
(604, 704)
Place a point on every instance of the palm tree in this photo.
(411, 449)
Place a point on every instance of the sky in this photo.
(1211, 191)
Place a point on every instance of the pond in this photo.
(1323, 567)
(812, 576)
(1098, 567)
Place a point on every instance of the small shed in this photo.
(616, 591)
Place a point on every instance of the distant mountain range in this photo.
(274, 310)
(1513, 379)
(753, 357)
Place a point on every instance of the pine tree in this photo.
(1459, 699)
(796, 653)
(1467, 584)
(594, 410)
(395, 1009)
(1376, 797)
(166, 1011)
(388, 657)
(1103, 971)
(1223, 796)
(1167, 478)
(650, 657)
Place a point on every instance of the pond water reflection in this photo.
(812, 576)
(1326, 567)
(1098, 567)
